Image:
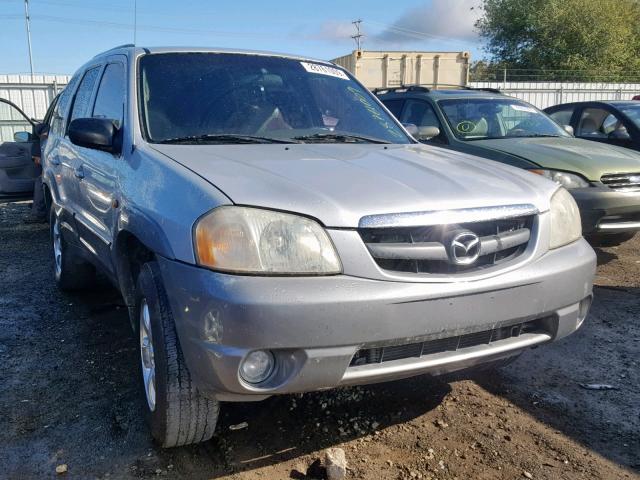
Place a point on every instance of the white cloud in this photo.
(439, 19)
(334, 31)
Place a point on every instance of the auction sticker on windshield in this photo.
(324, 70)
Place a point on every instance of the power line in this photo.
(417, 34)
(128, 26)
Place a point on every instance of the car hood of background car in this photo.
(588, 158)
(339, 184)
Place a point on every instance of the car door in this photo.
(18, 144)
(97, 169)
(55, 164)
(603, 125)
(70, 157)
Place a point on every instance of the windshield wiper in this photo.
(338, 137)
(222, 138)
(542, 135)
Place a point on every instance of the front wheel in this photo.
(176, 412)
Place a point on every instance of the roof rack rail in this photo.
(409, 88)
(427, 87)
(484, 89)
(126, 45)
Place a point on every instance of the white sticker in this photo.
(523, 108)
(324, 70)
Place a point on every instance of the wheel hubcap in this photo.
(146, 355)
(57, 246)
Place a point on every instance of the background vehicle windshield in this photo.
(483, 118)
(633, 113)
(196, 94)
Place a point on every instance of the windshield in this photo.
(239, 98)
(633, 113)
(483, 118)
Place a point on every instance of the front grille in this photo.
(367, 356)
(628, 182)
(427, 249)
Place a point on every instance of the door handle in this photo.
(79, 172)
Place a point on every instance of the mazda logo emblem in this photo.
(464, 248)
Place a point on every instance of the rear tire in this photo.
(176, 412)
(72, 272)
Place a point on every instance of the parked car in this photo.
(273, 229)
(604, 180)
(18, 144)
(612, 122)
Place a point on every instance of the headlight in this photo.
(567, 180)
(253, 240)
(566, 226)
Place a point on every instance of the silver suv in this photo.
(273, 229)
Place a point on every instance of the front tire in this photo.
(176, 412)
(72, 272)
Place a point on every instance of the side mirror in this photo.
(427, 133)
(22, 137)
(96, 133)
(411, 128)
(569, 129)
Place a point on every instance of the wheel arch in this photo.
(131, 253)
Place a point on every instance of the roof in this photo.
(612, 103)
(439, 93)
(130, 48)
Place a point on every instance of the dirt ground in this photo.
(69, 395)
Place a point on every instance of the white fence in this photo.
(32, 95)
(546, 94)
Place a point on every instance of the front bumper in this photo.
(604, 210)
(315, 325)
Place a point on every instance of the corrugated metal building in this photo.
(32, 95)
(547, 94)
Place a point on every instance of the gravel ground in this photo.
(69, 395)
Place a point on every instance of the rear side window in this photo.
(83, 97)
(394, 106)
(57, 119)
(563, 117)
(110, 96)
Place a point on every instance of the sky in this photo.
(66, 33)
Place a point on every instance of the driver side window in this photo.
(422, 114)
(600, 123)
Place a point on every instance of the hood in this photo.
(339, 184)
(588, 158)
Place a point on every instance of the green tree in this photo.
(576, 39)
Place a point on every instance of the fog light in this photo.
(257, 366)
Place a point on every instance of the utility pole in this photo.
(358, 36)
(28, 21)
(135, 20)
